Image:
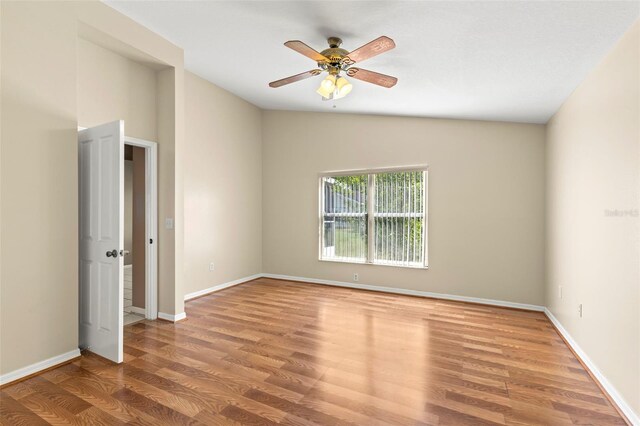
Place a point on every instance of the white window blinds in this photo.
(377, 218)
(345, 218)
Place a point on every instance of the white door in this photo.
(101, 210)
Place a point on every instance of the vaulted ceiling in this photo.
(506, 61)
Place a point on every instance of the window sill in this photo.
(354, 262)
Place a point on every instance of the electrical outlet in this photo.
(355, 276)
(211, 266)
(560, 291)
(580, 310)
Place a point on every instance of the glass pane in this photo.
(399, 218)
(344, 229)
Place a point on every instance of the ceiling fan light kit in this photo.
(335, 61)
(343, 88)
(332, 88)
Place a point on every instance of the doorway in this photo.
(141, 159)
(107, 205)
(134, 234)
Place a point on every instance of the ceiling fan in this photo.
(335, 61)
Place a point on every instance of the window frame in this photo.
(371, 217)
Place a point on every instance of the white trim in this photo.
(38, 367)
(136, 310)
(382, 289)
(425, 220)
(219, 287)
(172, 318)
(608, 387)
(408, 292)
(320, 216)
(151, 250)
(371, 215)
(398, 169)
(151, 223)
(355, 261)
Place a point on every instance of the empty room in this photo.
(320, 212)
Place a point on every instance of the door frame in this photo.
(151, 223)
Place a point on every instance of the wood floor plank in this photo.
(295, 409)
(96, 417)
(277, 352)
(161, 412)
(58, 396)
(107, 403)
(15, 413)
(48, 410)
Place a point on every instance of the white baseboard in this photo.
(408, 292)
(613, 393)
(38, 366)
(394, 290)
(607, 386)
(172, 318)
(633, 417)
(136, 310)
(219, 287)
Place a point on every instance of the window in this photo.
(376, 217)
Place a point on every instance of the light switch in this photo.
(168, 223)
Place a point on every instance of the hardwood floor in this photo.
(277, 352)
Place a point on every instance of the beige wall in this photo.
(223, 190)
(170, 115)
(39, 282)
(114, 87)
(40, 114)
(486, 199)
(593, 165)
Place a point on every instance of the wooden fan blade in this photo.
(372, 77)
(295, 78)
(371, 49)
(307, 51)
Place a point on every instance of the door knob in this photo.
(112, 253)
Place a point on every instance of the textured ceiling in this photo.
(507, 61)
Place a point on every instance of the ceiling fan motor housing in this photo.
(336, 56)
